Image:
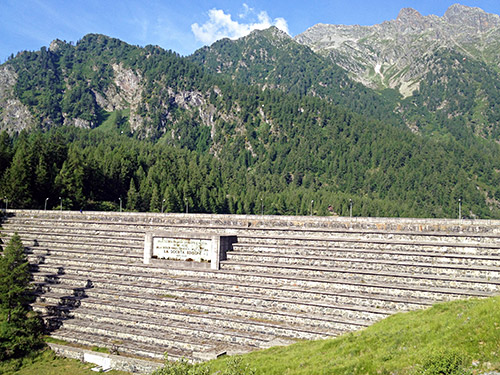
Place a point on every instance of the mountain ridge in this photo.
(366, 52)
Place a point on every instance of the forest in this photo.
(229, 147)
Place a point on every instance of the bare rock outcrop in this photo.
(14, 116)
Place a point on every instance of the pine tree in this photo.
(132, 196)
(172, 200)
(18, 185)
(70, 179)
(5, 151)
(154, 202)
(20, 329)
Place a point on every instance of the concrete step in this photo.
(376, 254)
(448, 269)
(42, 254)
(370, 236)
(33, 238)
(124, 315)
(156, 336)
(120, 346)
(349, 312)
(372, 228)
(387, 277)
(31, 245)
(392, 279)
(219, 336)
(473, 247)
(60, 227)
(178, 285)
(99, 297)
(172, 271)
(239, 326)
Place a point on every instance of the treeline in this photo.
(94, 170)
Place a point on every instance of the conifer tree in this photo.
(132, 196)
(154, 202)
(5, 151)
(70, 179)
(20, 328)
(171, 199)
(18, 186)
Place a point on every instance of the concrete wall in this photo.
(343, 280)
(228, 222)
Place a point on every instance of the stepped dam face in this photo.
(198, 286)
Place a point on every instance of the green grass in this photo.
(109, 123)
(53, 340)
(47, 363)
(400, 344)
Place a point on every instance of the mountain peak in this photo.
(461, 11)
(55, 45)
(473, 17)
(271, 32)
(409, 14)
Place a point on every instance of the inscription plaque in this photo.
(182, 248)
(198, 247)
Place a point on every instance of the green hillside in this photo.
(271, 58)
(458, 97)
(461, 337)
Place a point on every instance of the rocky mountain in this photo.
(91, 83)
(272, 59)
(436, 75)
(395, 53)
(265, 117)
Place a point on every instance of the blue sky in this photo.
(185, 25)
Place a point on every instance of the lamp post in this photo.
(60, 199)
(187, 206)
(45, 207)
(120, 199)
(350, 207)
(261, 207)
(6, 203)
(312, 201)
(460, 208)
(162, 203)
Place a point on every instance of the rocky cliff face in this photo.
(395, 53)
(14, 116)
(79, 86)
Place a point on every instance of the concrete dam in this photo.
(199, 285)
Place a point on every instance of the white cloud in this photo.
(221, 25)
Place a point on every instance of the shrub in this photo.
(181, 367)
(448, 362)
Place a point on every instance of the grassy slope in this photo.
(47, 363)
(396, 345)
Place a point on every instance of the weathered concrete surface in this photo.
(231, 222)
(285, 278)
